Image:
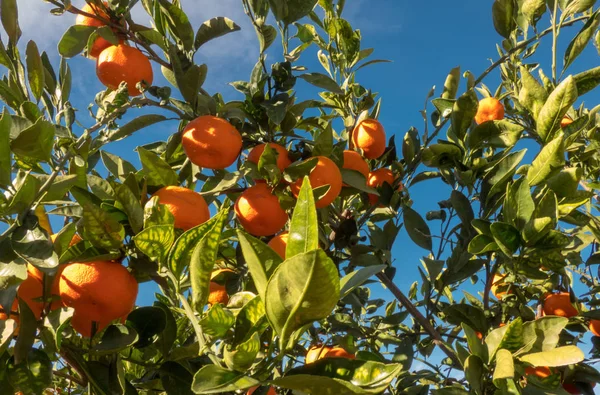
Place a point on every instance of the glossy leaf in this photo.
(117, 337)
(157, 170)
(499, 134)
(203, 260)
(35, 70)
(555, 108)
(356, 278)
(133, 126)
(322, 81)
(213, 28)
(504, 22)
(304, 229)
(32, 375)
(542, 334)
(250, 319)
(561, 356)
(212, 379)
(532, 94)
(74, 41)
(550, 160)
(291, 10)
(518, 205)
(35, 142)
(5, 155)
(463, 112)
(149, 322)
(587, 81)
(417, 229)
(302, 289)
(10, 19)
(242, 357)
(155, 241)
(217, 321)
(506, 236)
(260, 258)
(505, 368)
(582, 39)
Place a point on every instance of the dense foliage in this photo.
(522, 233)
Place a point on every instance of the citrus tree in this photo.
(266, 222)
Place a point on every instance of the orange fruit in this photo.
(279, 244)
(122, 63)
(541, 371)
(271, 391)
(14, 309)
(566, 121)
(316, 353)
(353, 161)
(369, 137)
(479, 335)
(32, 290)
(211, 142)
(559, 304)
(99, 292)
(100, 44)
(377, 178)
(259, 211)
(490, 109)
(188, 207)
(498, 282)
(217, 294)
(283, 160)
(595, 327)
(326, 172)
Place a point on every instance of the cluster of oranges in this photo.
(99, 292)
(115, 63)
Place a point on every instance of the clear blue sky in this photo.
(424, 39)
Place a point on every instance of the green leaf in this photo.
(322, 81)
(463, 208)
(356, 278)
(550, 160)
(242, 357)
(503, 14)
(290, 11)
(357, 180)
(213, 28)
(581, 40)
(497, 134)
(178, 23)
(133, 126)
(203, 260)
(451, 84)
(149, 322)
(156, 169)
(212, 379)
(302, 289)
(561, 356)
(463, 113)
(542, 334)
(32, 244)
(474, 373)
(518, 205)
(566, 182)
(587, 80)
(22, 200)
(155, 241)
(555, 108)
(506, 236)
(100, 227)
(35, 70)
(118, 167)
(131, 207)
(5, 155)
(496, 179)
(175, 378)
(117, 337)
(74, 41)
(505, 367)
(35, 142)
(9, 15)
(417, 229)
(441, 155)
(304, 228)
(157, 214)
(250, 319)
(333, 376)
(33, 375)
(217, 321)
(260, 258)
(476, 346)
(460, 313)
(532, 94)
(481, 244)
(266, 36)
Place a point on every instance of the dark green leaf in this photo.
(497, 134)
(10, 19)
(260, 258)
(33, 375)
(213, 28)
(157, 170)
(417, 229)
(35, 70)
(506, 236)
(503, 13)
(587, 80)
(463, 113)
(74, 40)
(355, 279)
(581, 40)
(5, 155)
(35, 142)
(133, 126)
(322, 81)
(117, 337)
(212, 379)
(518, 206)
(149, 322)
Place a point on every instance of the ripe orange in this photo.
(559, 304)
(316, 353)
(490, 109)
(122, 63)
(595, 327)
(326, 172)
(259, 211)
(100, 44)
(369, 137)
(283, 160)
(13, 310)
(98, 291)
(353, 161)
(188, 207)
(377, 178)
(498, 282)
(279, 244)
(566, 121)
(479, 335)
(271, 391)
(541, 371)
(211, 142)
(217, 293)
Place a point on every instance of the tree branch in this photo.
(419, 317)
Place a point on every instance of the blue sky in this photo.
(423, 39)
